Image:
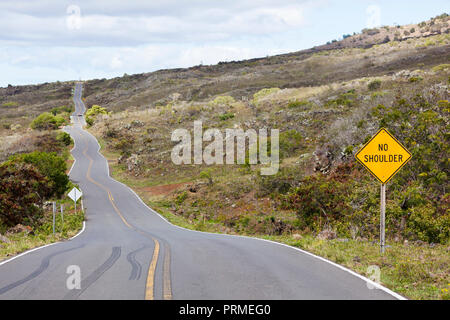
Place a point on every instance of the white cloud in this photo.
(61, 40)
(87, 24)
(116, 62)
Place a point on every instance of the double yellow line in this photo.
(150, 283)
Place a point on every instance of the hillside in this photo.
(327, 102)
(426, 46)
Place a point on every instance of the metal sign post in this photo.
(383, 156)
(75, 196)
(54, 214)
(382, 217)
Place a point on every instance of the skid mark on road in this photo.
(94, 276)
(136, 267)
(44, 265)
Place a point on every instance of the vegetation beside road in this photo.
(320, 200)
(24, 237)
(33, 174)
(415, 270)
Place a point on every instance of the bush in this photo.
(93, 111)
(90, 121)
(64, 138)
(297, 104)
(290, 141)
(226, 116)
(206, 174)
(374, 85)
(47, 142)
(263, 93)
(428, 226)
(47, 121)
(125, 145)
(23, 190)
(181, 197)
(49, 165)
(61, 109)
(10, 104)
(223, 100)
(415, 79)
(319, 201)
(344, 99)
(441, 67)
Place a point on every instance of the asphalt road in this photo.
(128, 251)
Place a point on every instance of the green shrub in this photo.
(441, 67)
(47, 121)
(223, 100)
(415, 79)
(206, 174)
(89, 121)
(226, 116)
(320, 201)
(64, 137)
(344, 99)
(10, 104)
(263, 93)
(290, 141)
(49, 165)
(125, 145)
(429, 226)
(297, 104)
(61, 109)
(93, 111)
(181, 197)
(374, 85)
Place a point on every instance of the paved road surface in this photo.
(127, 251)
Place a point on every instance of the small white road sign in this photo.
(75, 194)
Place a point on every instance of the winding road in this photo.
(128, 251)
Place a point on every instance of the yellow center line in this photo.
(150, 286)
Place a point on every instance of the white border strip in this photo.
(80, 232)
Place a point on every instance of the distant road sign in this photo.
(383, 156)
(75, 194)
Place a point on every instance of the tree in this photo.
(23, 190)
(49, 165)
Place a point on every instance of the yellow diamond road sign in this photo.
(383, 155)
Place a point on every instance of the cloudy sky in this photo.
(49, 40)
